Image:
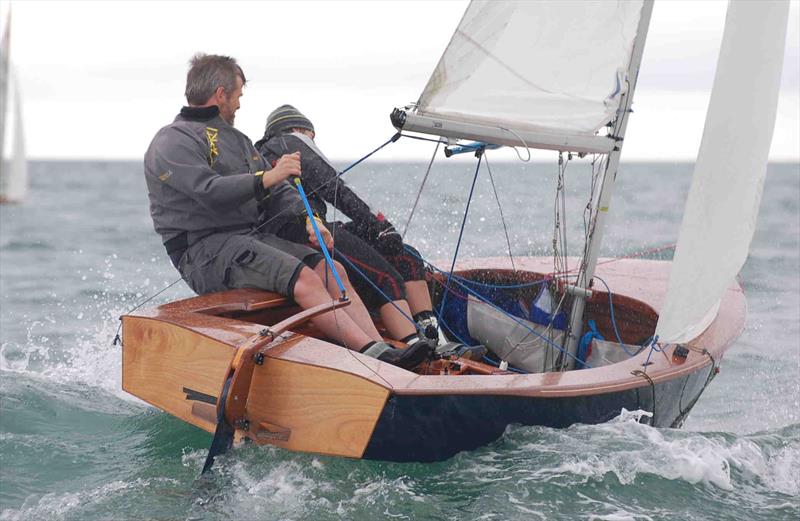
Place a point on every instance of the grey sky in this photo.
(99, 78)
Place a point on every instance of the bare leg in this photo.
(396, 323)
(309, 291)
(356, 311)
(418, 296)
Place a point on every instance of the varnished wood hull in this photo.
(311, 396)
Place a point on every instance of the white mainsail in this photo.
(13, 166)
(720, 215)
(551, 66)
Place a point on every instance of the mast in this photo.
(582, 285)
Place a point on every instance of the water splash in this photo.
(70, 342)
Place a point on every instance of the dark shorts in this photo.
(229, 261)
(365, 267)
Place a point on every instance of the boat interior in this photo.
(511, 297)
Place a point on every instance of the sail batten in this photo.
(721, 210)
(545, 66)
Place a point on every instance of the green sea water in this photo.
(73, 446)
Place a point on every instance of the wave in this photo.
(621, 470)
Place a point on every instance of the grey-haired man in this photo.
(207, 184)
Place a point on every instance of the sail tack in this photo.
(548, 66)
(721, 210)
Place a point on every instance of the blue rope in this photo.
(502, 286)
(613, 320)
(461, 233)
(653, 347)
(379, 290)
(310, 213)
(504, 312)
(647, 343)
(319, 237)
(391, 140)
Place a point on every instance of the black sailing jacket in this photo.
(319, 178)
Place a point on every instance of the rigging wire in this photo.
(421, 187)
(420, 138)
(479, 153)
(560, 258)
(590, 214)
(502, 217)
(335, 316)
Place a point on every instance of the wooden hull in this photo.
(309, 395)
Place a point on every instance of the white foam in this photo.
(281, 490)
(64, 506)
(626, 449)
(92, 360)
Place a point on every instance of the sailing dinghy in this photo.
(551, 75)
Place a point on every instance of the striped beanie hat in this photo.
(286, 117)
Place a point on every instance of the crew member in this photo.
(207, 185)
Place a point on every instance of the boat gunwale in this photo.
(600, 380)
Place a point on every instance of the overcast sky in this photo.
(100, 78)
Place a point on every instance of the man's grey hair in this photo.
(209, 71)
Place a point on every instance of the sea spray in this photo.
(74, 447)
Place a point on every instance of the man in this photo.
(370, 248)
(207, 185)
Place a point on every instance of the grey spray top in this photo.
(200, 178)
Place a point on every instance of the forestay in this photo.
(722, 207)
(548, 66)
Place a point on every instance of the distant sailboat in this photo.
(13, 166)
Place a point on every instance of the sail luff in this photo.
(13, 165)
(4, 81)
(721, 210)
(17, 175)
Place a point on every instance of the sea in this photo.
(81, 251)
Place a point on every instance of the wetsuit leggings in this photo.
(408, 263)
(360, 261)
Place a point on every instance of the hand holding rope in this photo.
(322, 246)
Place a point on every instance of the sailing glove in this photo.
(389, 241)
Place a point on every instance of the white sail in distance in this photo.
(722, 207)
(550, 66)
(13, 165)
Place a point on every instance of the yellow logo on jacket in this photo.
(213, 151)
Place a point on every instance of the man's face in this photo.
(228, 102)
(309, 133)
